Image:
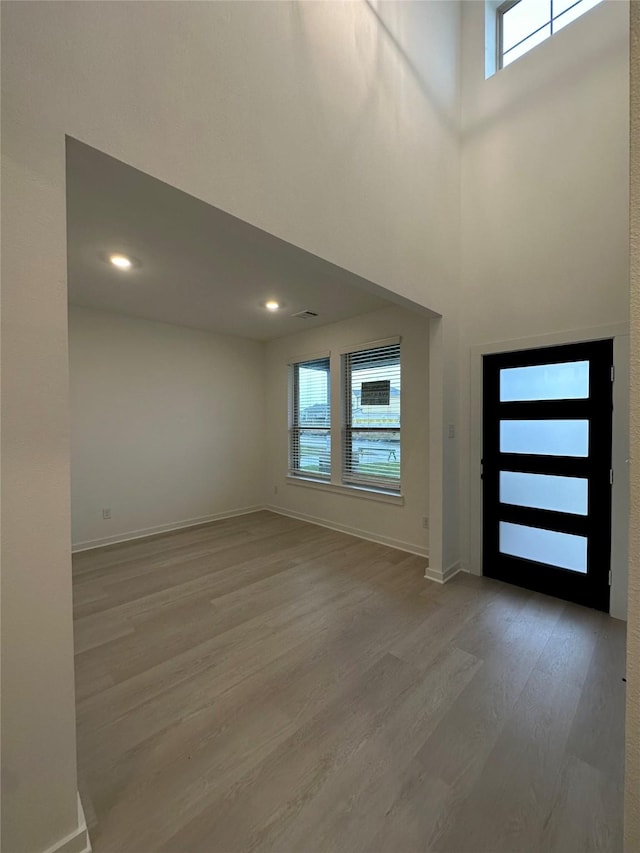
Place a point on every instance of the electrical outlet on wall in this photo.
(106, 513)
(275, 490)
(425, 522)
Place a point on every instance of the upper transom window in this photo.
(523, 24)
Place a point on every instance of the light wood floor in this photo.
(264, 684)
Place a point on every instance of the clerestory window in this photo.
(524, 24)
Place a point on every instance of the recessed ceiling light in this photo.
(272, 305)
(121, 261)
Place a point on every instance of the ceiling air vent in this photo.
(305, 315)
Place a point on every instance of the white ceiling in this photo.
(196, 265)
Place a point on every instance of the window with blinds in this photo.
(310, 419)
(371, 440)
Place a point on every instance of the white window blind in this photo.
(371, 439)
(310, 419)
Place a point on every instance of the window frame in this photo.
(295, 427)
(349, 477)
(502, 9)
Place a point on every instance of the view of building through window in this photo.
(371, 449)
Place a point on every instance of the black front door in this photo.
(547, 470)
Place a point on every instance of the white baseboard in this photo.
(160, 528)
(399, 544)
(77, 841)
(443, 576)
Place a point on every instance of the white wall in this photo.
(632, 764)
(306, 119)
(544, 206)
(167, 425)
(399, 525)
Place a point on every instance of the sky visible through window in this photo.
(313, 388)
(530, 22)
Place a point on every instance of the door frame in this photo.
(620, 453)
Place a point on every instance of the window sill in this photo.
(351, 491)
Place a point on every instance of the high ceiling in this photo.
(194, 265)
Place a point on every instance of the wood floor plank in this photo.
(275, 686)
(262, 684)
(458, 749)
(597, 736)
(412, 818)
(444, 616)
(586, 813)
(349, 809)
(186, 768)
(89, 632)
(509, 802)
(218, 673)
(300, 767)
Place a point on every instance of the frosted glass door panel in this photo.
(564, 381)
(565, 550)
(545, 438)
(545, 491)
